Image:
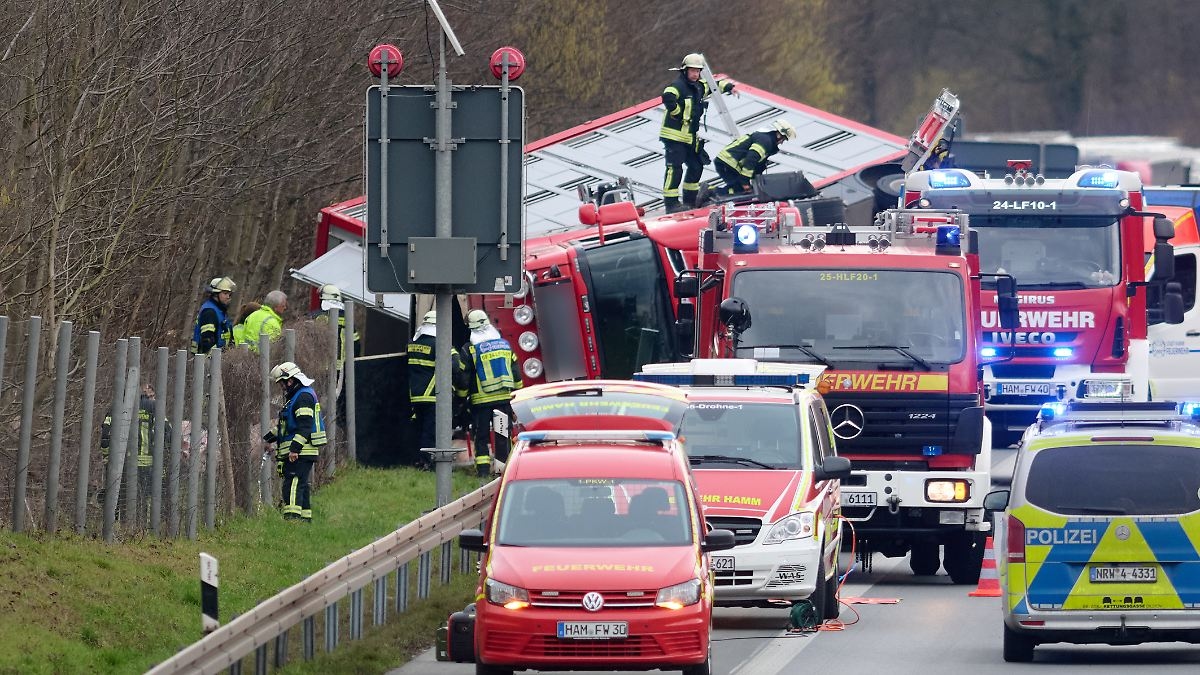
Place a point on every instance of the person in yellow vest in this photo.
(298, 438)
(239, 324)
(495, 375)
(685, 100)
(267, 319)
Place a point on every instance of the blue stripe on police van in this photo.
(1177, 556)
(1072, 546)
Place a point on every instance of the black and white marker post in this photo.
(208, 594)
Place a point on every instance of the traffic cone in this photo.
(989, 580)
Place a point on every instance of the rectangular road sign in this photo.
(479, 147)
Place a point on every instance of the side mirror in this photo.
(996, 500)
(735, 313)
(472, 540)
(968, 433)
(833, 468)
(1164, 229)
(685, 336)
(1164, 261)
(1006, 302)
(718, 540)
(618, 212)
(1172, 306)
(587, 214)
(687, 287)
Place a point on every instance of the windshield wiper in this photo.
(916, 359)
(700, 459)
(806, 350)
(1101, 510)
(1052, 284)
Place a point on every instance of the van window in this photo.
(1097, 480)
(828, 449)
(594, 512)
(763, 432)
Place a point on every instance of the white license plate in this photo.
(1141, 574)
(1024, 388)
(593, 630)
(722, 563)
(851, 498)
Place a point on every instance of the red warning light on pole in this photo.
(395, 60)
(516, 63)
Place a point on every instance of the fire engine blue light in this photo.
(948, 179)
(931, 450)
(1063, 352)
(1099, 179)
(690, 380)
(745, 238)
(1050, 410)
(988, 352)
(1189, 408)
(947, 236)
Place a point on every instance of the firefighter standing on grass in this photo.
(685, 100)
(495, 375)
(299, 436)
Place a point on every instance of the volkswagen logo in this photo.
(1122, 532)
(593, 601)
(848, 421)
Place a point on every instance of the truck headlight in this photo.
(679, 595)
(796, 526)
(1106, 389)
(532, 368)
(528, 341)
(947, 491)
(510, 596)
(523, 315)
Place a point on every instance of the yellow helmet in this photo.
(785, 127)
(220, 284)
(691, 61)
(430, 317)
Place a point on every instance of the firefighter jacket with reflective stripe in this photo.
(421, 381)
(749, 152)
(685, 104)
(323, 317)
(495, 373)
(145, 432)
(262, 320)
(213, 328)
(301, 428)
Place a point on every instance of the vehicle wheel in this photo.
(964, 556)
(485, 669)
(923, 560)
(833, 608)
(701, 668)
(1018, 648)
(819, 598)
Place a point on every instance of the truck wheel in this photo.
(833, 608)
(964, 556)
(923, 560)
(1018, 648)
(701, 668)
(485, 669)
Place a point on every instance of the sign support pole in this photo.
(443, 454)
(383, 154)
(504, 142)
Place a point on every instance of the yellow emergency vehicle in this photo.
(1099, 539)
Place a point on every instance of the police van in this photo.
(764, 458)
(1099, 535)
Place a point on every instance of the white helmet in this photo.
(785, 127)
(430, 317)
(288, 370)
(477, 318)
(331, 297)
(221, 284)
(691, 61)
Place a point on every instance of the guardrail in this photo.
(272, 620)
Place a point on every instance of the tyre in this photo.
(1018, 648)
(923, 559)
(820, 597)
(701, 668)
(833, 608)
(964, 556)
(485, 669)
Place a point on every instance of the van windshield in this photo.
(767, 433)
(1097, 480)
(594, 512)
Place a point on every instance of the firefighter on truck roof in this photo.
(685, 99)
(746, 157)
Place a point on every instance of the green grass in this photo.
(76, 605)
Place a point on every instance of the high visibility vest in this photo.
(222, 326)
(145, 426)
(262, 320)
(421, 380)
(495, 373)
(685, 106)
(749, 152)
(301, 421)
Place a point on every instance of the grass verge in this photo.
(74, 605)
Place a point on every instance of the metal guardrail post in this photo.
(54, 466)
(424, 572)
(85, 431)
(379, 602)
(26, 438)
(260, 660)
(214, 408)
(310, 638)
(156, 450)
(132, 516)
(196, 453)
(177, 400)
(446, 563)
(119, 440)
(402, 588)
(281, 649)
(464, 560)
(331, 627)
(356, 615)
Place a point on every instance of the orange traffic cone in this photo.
(989, 580)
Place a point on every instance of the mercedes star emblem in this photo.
(593, 601)
(848, 421)
(1122, 532)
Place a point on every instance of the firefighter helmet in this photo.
(735, 313)
(430, 317)
(287, 371)
(221, 284)
(691, 61)
(477, 318)
(785, 127)
(331, 297)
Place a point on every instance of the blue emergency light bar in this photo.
(1063, 352)
(1117, 412)
(689, 380)
(745, 238)
(988, 352)
(1099, 179)
(948, 179)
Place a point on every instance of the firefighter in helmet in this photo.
(298, 438)
(422, 394)
(746, 157)
(494, 376)
(213, 327)
(331, 298)
(685, 100)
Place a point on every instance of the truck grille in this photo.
(900, 424)
(745, 530)
(612, 599)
